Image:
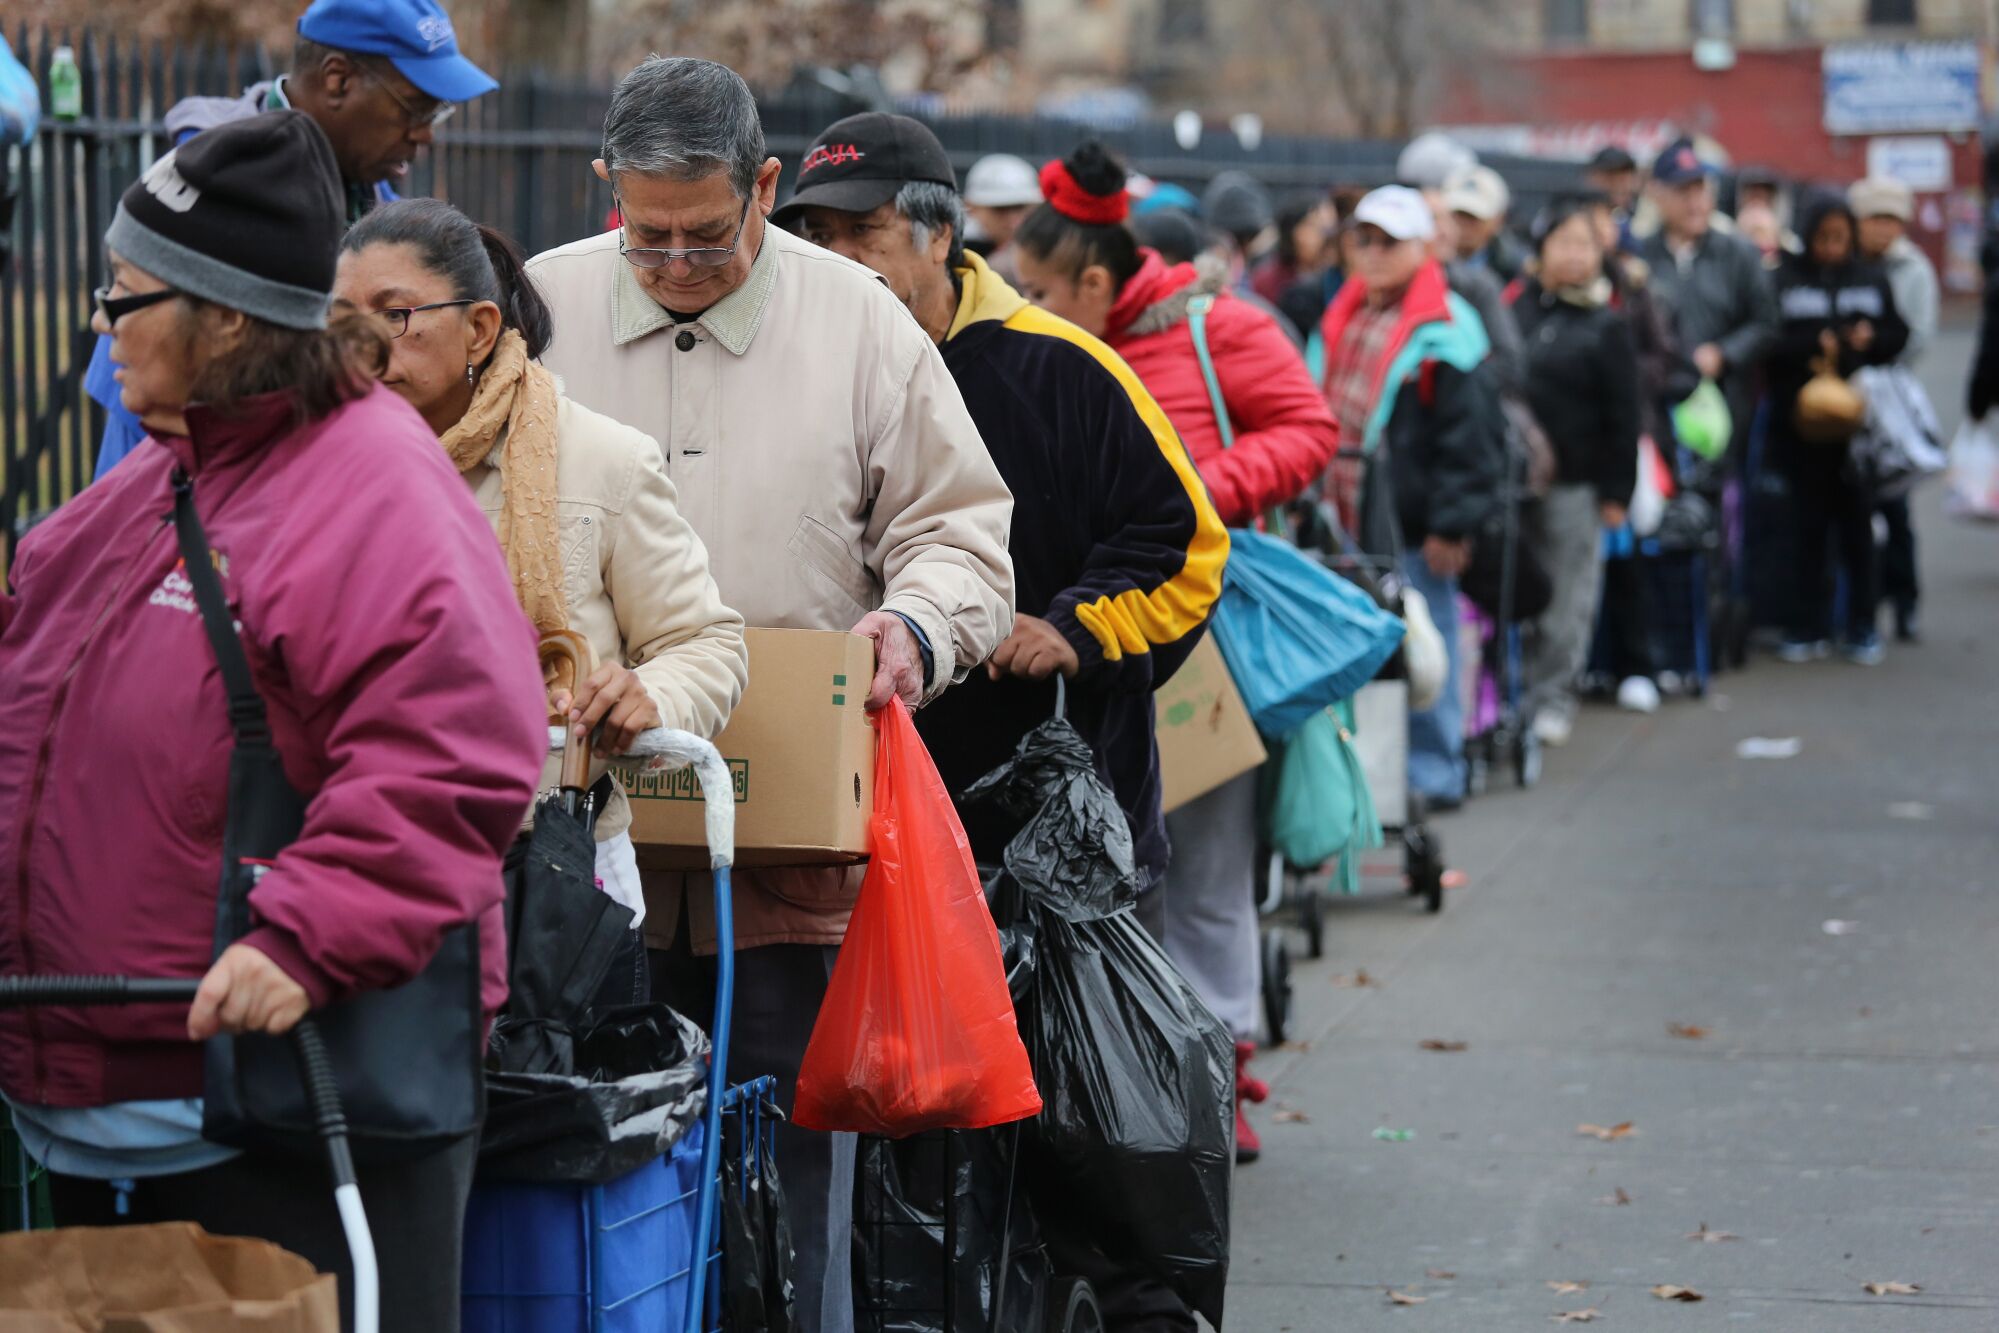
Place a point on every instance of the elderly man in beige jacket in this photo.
(824, 456)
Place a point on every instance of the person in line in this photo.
(826, 460)
(1478, 200)
(378, 77)
(403, 697)
(1080, 261)
(1714, 282)
(1000, 190)
(1613, 173)
(1884, 207)
(1304, 248)
(1583, 385)
(1117, 551)
(582, 505)
(1408, 384)
(1829, 289)
(1238, 209)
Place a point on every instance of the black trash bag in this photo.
(563, 934)
(1135, 1143)
(1074, 851)
(1688, 524)
(646, 1082)
(758, 1295)
(931, 1224)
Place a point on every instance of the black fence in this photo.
(518, 159)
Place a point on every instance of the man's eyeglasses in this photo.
(116, 308)
(1367, 239)
(396, 318)
(414, 117)
(700, 256)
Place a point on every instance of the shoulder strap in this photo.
(1197, 324)
(246, 706)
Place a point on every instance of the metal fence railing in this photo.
(517, 159)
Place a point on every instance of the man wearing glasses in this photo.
(378, 76)
(823, 454)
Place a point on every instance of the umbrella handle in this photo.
(567, 659)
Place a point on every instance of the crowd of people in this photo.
(1000, 430)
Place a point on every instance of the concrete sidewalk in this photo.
(1840, 1116)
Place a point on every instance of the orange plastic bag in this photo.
(917, 1031)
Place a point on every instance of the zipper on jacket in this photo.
(39, 781)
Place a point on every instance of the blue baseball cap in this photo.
(1678, 163)
(413, 35)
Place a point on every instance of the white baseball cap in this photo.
(1398, 210)
(1002, 180)
(1478, 192)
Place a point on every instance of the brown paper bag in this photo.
(172, 1277)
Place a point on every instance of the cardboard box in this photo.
(1205, 735)
(802, 753)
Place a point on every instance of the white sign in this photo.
(1895, 87)
(1921, 162)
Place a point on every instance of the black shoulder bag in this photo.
(406, 1060)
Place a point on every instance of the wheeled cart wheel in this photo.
(1277, 986)
(1073, 1308)
(1526, 758)
(1312, 917)
(1423, 862)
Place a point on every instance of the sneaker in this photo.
(1638, 695)
(1248, 1086)
(1553, 727)
(1801, 650)
(1671, 683)
(1248, 1147)
(1865, 652)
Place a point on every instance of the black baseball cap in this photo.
(858, 164)
(1610, 159)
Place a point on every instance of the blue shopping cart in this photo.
(621, 1257)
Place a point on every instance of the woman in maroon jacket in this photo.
(1078, 260)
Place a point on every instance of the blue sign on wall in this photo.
(1891, 87)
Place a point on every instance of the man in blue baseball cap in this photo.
(378, 76)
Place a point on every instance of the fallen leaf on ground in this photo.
(1439, 1044)
(1567, 1288)
(1892, 1289)
(1358, 979)
(1589, 1316)
(1302, 1047)
(1684, 1295)
(1608, 1134)
(1838, 927)
(1711, 1237)
(1405, 1298)
(1687, 1031)
(1440, 1274)
(1620, 1198)
(1287, 1116)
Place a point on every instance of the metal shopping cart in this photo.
(621, 1257)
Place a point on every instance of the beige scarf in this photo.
(517, 396)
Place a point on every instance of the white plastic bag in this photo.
(1648, 498)
(1974, 471)
(1423, 655)
(1901, 442)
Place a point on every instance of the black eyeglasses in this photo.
(412, 117)
(396, 318)
(700, 256)
(116, 308)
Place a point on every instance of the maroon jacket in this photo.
(1284, 432)
(404, 697)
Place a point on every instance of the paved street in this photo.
(1831, 921)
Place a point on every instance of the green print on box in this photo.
(682, 785)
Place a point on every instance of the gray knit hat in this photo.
(247, 215)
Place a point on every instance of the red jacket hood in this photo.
(404, 699)
(1426, 301)
(1154, 282)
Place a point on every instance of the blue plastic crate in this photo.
(611, 1258)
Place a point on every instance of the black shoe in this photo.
(1905, 626)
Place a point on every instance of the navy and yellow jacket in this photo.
(1114, 543)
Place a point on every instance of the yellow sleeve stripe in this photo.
(1134, 620)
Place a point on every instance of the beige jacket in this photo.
(619, 528)
(822, 452)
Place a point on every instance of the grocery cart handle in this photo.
(21, 992)
(665, 750)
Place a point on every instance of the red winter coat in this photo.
(1284, 432)
(403, 694)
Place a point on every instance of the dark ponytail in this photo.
(480, 263)
(1090, 176)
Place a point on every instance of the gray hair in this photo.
(685, 119)
(929, 206)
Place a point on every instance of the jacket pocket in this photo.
(820, 550)
(577, 545)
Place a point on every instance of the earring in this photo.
(470, 377)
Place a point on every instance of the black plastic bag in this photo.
(1136, 1138)
(757, 1260)
(931, 1224)
(645, 1081)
